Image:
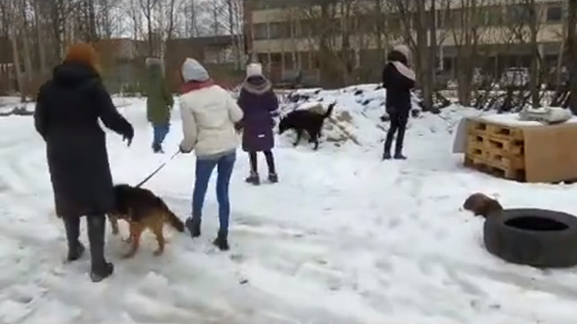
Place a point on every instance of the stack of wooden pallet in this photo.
(496, 149)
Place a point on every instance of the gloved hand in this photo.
(182, 150)
(238, 127)
(128, 135)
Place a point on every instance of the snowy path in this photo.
(343, 238)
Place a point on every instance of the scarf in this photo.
(404, 70)
(195, 85)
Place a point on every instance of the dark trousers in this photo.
(160, 131)
(398, 125)
(96, 231)
(269, 161)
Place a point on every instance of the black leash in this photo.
(157, 170)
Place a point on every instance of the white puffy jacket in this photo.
(208, 118)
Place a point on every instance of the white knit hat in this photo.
(254, 69)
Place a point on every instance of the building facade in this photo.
(286, 35)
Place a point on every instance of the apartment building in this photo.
(285, 34)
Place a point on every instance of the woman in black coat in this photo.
(67, 112)
(398, 79)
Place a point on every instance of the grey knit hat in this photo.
(192, 70)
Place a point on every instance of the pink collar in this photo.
(195, 85)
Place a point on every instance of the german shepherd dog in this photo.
(141, 209)
(305, 120)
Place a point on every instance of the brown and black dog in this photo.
(142, 209)
(481, 205)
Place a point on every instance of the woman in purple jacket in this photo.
(260, 105)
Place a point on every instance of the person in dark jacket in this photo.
(159, 103)
(260, 106)
(398, 79)
(67, 112)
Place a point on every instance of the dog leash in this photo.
(157, 170)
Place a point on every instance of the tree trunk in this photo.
(39, 35)
(26, 44)
(346, 46)
(379, 28)
(148, 17)
(324, 50)
(560, 57)
(56, 28)
(572, 49)
(424, 68)
(232, 32)
(432, 52)
(534, 69)
(16, 58)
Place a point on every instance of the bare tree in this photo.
(147, 7)
(465, 29)
(572, 53)
(13, 15)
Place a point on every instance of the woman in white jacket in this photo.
(209, 114)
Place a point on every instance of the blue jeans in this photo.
(160, 132)
(204, 168)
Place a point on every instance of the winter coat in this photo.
(398, 80)
(260, 105)
(159, 99)
(208, 116)
(67, 112)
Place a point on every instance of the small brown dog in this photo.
(142, 209)
(481, 205)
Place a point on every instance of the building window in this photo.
(394, 23)
(276, 58)
(518, 13)
(309, 28)
(289, 61)
(260, 31)
(263, 59)
(305, 60)
(494, 16)
(279, 30)
(554, 14)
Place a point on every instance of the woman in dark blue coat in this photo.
(260, 105)
(398, 79)
(68, 109)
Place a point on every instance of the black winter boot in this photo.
(400, 156)
(75, 248)
(273, 177)
(193, 227)
(100, 268)
(157, 148)
(221, 242)
(253, 178)
(386, 155)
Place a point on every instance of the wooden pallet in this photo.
(501, 170)
(496, 149)
(495, 130)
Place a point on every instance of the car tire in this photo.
(535, 237)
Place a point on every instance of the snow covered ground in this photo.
(343, 238)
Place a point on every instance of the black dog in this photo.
(305, 120)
